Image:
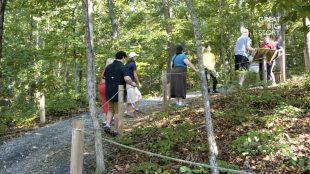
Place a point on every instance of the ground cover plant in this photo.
(258, 130)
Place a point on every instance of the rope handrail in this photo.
(167, 157)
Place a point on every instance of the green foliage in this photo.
(60, 104)
(302, 163)
(188, 170)
(147, 168)
(202, 170)
(21, 112)
(228, 165)
(255, 142)
(288, 111)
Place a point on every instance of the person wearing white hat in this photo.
(133, 93)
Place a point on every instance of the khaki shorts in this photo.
(133, 94)
(113, 107)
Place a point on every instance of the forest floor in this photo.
(257, 130)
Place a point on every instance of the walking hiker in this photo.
(209, 64)
(115, 74)
(133, 93)
(102, 92)
(242, 49)
(179, 64)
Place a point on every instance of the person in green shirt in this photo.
(209, 64)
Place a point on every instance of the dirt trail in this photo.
(47, 150)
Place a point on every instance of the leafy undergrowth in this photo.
(262, 131)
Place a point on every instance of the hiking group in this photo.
(116, 73)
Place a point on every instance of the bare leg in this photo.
(109, 118)
(116, 119)
(241, 79)
(129, 109)
(137, 104)
(104, 115)
(272, 75)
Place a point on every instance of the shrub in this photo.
(60, 104)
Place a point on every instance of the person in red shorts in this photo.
(102, 92)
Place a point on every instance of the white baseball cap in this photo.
(133, 54)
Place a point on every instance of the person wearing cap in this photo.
(242, 49)
(133, 93)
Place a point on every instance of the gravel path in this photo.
(47, 150)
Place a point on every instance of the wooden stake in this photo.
(164, 86)
(42, 109)
(265, 69)
(120, 108)
(282, 67)
(76, 166)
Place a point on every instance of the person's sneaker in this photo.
(113, 133)
(107, 129)
(180, 105)
(104, 123)
(215, 91)
(130, 115)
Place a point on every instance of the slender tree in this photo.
(168, 15)
(307, 44)
(221, 17)
(74, 54)
(115, 30)
(209, 125)
(91, 80)
(2, 10)
(239, 5)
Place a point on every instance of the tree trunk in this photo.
(209, 125)
(115, 30)
(281, 40)
(307, 45)
(239, 5)
(221, 17)
(2, 10)
(168, 15)
(74, 55)
(91, 87)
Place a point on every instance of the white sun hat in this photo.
(133, 54)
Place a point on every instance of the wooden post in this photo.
(265, 69)
(282, 67)
(164, 86)
(42, 109)
(76, 166)
(120, 108)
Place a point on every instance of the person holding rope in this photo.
(102, 92)
(242, 49)
(133, 93)
(179, 64)
(115, 74)
(209, 64)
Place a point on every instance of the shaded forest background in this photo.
(43, 49)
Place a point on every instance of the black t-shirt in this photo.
(114, 75)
